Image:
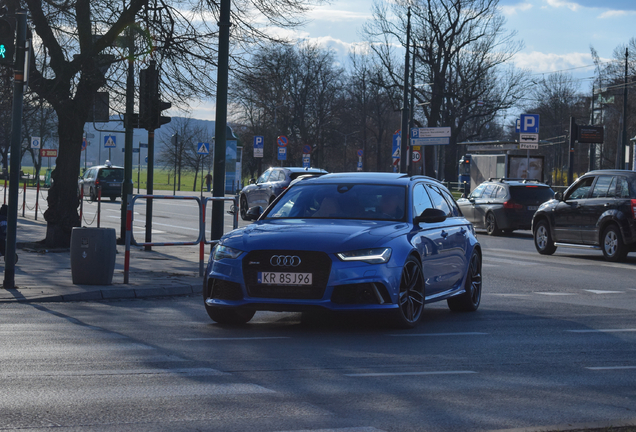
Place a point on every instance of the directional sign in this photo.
(529, 123)
(48, 152)
(135, 149)
(432, 132)
(430, 141)
(306, 149)
(203, 148)
(36, 143)
(143, 145)
(397, 141)
(259, 142)
(282, 141)
(306, 161)
(110, 141)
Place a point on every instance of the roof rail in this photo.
(522, 180)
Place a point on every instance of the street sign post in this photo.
(306, 161)
(395, 152)
(259, 144)
(36, 143)
(110, 141)
(282, 147)
(529, 124)
(203, 148)
(430, 136)
(48, 152)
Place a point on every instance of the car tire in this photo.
(471, 298)
(411, 296)
(543, 238)
(491, 224)
(233, 316)
(243, 207)
(612, 244)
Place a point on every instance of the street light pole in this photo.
(405, 99)
(344, 166)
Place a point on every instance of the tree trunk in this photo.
(62, 215)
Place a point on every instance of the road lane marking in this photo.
(346, 429)
(604, 292)
(611, 367)
(120, 372)
(603, 331)
(510, 295)
(439, 334)
(554, 293)
(383, 374)
(235, 338)
(509, 261)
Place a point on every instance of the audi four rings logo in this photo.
(284, 261)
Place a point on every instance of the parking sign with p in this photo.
(530, 123)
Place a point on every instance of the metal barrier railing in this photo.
(200, 239)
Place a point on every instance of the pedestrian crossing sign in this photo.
(203, 148)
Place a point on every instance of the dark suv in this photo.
(108, 178)
(262, 191)
(504, 204)
(598, 211)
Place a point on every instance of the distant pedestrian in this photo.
(208, 181)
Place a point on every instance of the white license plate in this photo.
(114, 184)
(533, 208)
(283, 278)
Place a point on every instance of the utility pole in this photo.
(127, 186)
(220, 127)
(573, 135)
(405, 100)
(620, 156)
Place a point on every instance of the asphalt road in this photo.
(553, 344)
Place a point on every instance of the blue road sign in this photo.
(143, 145)
(529, 123)
(282, 141)
(110, 141)
(135, 149)
(259, 144)
(203, 148)
(282, 153)
(396, 145)
(306, 161)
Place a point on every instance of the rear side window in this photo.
(602, 186)
(500, 192)
(531, 193)
(622, 188)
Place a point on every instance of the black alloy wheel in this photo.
(491, 224)
(471, 298)
(543, 238)
(411, 296)
(243, 207)
(612, 244)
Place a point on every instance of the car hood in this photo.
(330, 235)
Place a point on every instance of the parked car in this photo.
(262, 191)
(598, 211)
(348, 242)
(107, 177)
(504, 204)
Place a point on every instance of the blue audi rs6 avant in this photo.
(348, 242)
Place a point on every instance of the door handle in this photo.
(444, 234)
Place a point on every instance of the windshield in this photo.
(341, 201)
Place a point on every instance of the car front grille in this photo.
(224, 290)
(316, 263)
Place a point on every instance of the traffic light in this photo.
(148, 95)
(162, 107)
(7, 40)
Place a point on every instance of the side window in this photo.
(581, 189)
(451, 202)
(438, 200)
(421, 200)
(488, 191)
(501, 192)
(479, 190)
(263, 178)
(601, 187)
(622, 188)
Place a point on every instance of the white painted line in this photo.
(605, 292)
(119, 372)
(508, 261)
(510, 295)
(555, 293)
(603, 331)
(234, 338)
(383, 374)
(438, 334)
(611, 368)
(346, 429)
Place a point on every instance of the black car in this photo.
(262, 191)
(504, 204)
(107, 177)
(598, 211)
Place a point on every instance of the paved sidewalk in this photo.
(45, 275)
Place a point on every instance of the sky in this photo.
(557, 34)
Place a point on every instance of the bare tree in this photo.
(177, 154)
(85, 45)
(460, 49)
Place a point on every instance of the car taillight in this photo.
(512, 205)
(96, 182)
(634, 208)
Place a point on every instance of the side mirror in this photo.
(558, 196)
(253, 213)
(430, 215)
(252, 181)
(463, 195)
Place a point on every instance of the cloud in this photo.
(561, 3)
(329, 14)
(616, 14)
(539, 62)
(514, 9)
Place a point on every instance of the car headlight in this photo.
(371, 256)
(219, 252)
